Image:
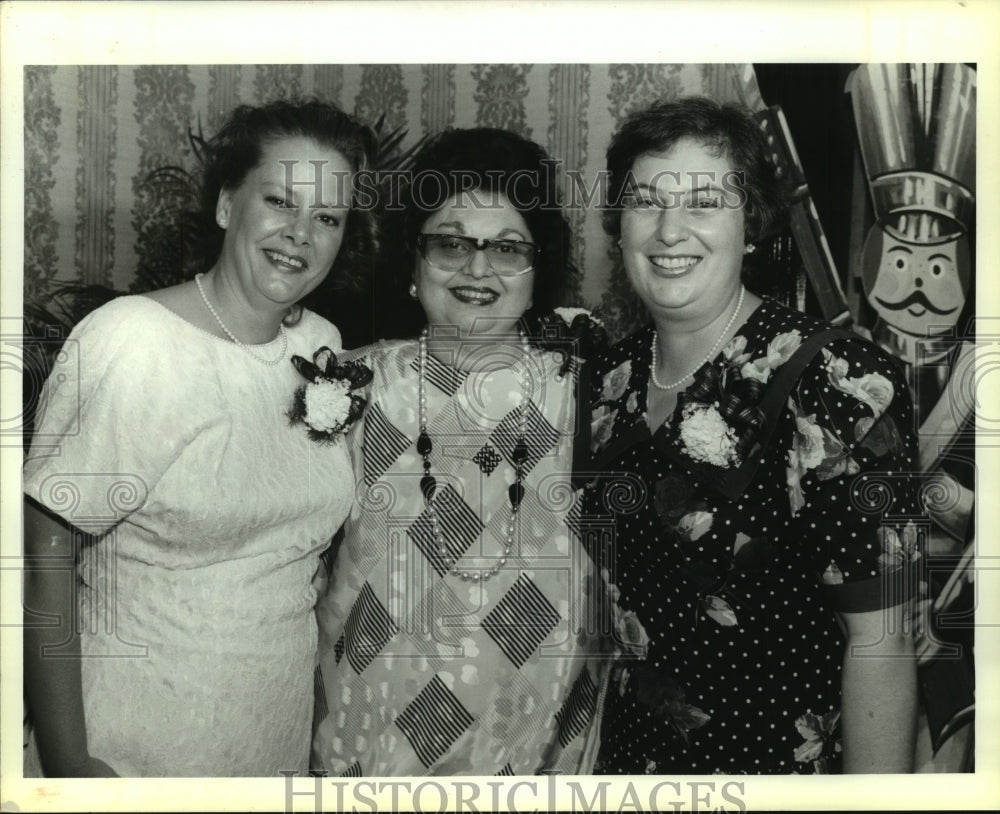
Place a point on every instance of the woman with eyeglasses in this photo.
(452, 635)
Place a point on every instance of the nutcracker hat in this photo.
(917, 128)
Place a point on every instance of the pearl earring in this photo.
(750, 248)
(413, 290)
(223, 221)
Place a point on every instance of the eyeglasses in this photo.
(508, 258)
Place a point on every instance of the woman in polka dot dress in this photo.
(761, 632)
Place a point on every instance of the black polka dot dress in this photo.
(725, 609)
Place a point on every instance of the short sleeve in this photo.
(852, 475)
(320, 332)
(99, 445)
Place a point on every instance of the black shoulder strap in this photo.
(581, 441)
(775, 396)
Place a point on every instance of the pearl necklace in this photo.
(711, 353)
(428, 484)
(227, 332)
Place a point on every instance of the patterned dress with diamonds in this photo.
(741, 671)
(424, 673)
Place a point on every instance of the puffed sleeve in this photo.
(322, 333)
(98, 447)
(852, 475)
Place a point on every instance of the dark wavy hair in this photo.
(488, 161)
(237, 148)
(725, 129)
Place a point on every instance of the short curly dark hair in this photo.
(487, 160)
(727, 129)
(237, 148)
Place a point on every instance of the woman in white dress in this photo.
(174, 515)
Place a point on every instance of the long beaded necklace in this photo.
(227, 332)
(428, 483)
(710, 355)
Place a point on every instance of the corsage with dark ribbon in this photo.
(717, 421)
(573, 332)
(575, 337)
(718, 418)
(327, 403)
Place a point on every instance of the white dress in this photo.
(211, 510)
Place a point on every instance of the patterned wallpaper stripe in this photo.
(41, 148)
(277, 82)
(537, 112)
(382, 93)
(223, 94)
(127, 157)
(599, 129)
(500, 96)
(200, 105)
(163, 112)
(327, 83)
(438, 108)
(569, 94)
(65, 83)
(716, 83)
(96, 137)
(413, 112)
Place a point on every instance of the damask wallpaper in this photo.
(94, 133)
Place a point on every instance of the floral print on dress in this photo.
(820, 743)
(628, 635)
(684, 515)
(832, 575)
(872, 389)
(814, 448)
(817, 448)
(602, 425)
(898, 549)
(666, 697)
(606, 407)
(779, 351)
(694, 524)
(738, 595)
(616, 381)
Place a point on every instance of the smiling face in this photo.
(682, 238)
(476, 300)
(285, 223)
(916, 288)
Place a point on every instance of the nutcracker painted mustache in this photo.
(917, 129)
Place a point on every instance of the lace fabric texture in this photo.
(195, 598)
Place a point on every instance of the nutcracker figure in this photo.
(917, 131)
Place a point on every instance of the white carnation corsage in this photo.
(706, 437)
(327, 404)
